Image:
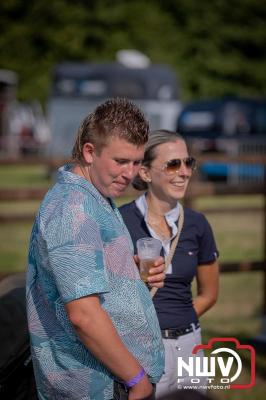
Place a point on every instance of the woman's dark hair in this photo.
(156, 138)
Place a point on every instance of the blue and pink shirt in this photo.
(80, 246)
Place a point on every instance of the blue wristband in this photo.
(132, 382)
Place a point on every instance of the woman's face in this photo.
(169, 184)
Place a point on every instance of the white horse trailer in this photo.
(77, 88)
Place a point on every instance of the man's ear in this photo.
(87, 152)
(144, 173)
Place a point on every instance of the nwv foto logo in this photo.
(229, 366)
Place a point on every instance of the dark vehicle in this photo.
(77, 88)
(231, 126)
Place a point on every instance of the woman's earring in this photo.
(148, 180)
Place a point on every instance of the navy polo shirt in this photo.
(196, 246)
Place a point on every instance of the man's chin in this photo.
(118, 192)
(118, 189)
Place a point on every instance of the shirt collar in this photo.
(142, 205)
(171, 216)
(66, 175)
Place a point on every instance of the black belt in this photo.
(174, 333)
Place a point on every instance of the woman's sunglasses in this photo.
(171, 167)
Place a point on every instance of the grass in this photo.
(26, 175)
(229, 201)
(239, 237)
(245, 289)
(23, 207)
(14, 240)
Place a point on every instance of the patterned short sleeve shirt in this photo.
(80, 246)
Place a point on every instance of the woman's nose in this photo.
(184, 170)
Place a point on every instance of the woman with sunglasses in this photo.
(164, 175)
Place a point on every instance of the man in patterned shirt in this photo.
(94, 332)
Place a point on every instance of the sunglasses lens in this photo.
(190, 162)
(173, 166)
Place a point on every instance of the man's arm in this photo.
(97, 332)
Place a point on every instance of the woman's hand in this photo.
(157, 273)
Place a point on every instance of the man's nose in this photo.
(130, 171)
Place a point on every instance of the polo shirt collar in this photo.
(171, 216)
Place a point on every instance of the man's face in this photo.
(114, 168)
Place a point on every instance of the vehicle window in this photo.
(128, 88)
(197, 120)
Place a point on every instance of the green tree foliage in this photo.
(216, 47)
(222, 45)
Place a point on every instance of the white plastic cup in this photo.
(149, 250)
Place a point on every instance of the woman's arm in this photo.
(207, 287)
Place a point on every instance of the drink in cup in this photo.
(148, 251)
(145, 266)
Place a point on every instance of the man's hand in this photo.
(157, 274)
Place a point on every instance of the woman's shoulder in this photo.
(132, 218)
(128, 207)
(195, 217)
(189, 212)
(129, 211)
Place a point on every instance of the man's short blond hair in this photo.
(115, 117)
